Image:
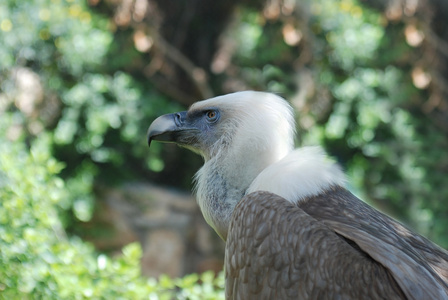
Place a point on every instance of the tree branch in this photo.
(197, 75)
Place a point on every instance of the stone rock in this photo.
(174, 236)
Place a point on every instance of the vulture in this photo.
(291, 228)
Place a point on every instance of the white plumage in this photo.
(300, 174)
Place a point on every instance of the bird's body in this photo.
(292, 230)
(321, 249)
(291, 255)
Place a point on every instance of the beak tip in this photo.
(149, 137)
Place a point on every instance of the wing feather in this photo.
(419, 266)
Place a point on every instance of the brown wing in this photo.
(419, 266)
(275, 250)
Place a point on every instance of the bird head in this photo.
(242, 122)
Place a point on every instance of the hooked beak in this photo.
(169, 128)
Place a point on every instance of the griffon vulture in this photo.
(292, 230)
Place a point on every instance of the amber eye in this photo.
(212, 116)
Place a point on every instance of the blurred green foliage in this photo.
(100, 117)
(377, 127)
(39, 261)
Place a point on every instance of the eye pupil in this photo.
(211, 114)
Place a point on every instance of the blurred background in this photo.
(89, 211)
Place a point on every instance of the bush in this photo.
(39, 261)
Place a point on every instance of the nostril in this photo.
(178, 119)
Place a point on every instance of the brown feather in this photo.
(419, 266)
(292, 255)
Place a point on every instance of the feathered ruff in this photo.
(300, 174)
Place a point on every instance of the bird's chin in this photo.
(195, 150)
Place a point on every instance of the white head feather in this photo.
(253, 119)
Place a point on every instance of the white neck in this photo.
(304, 172)
(223, 180)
